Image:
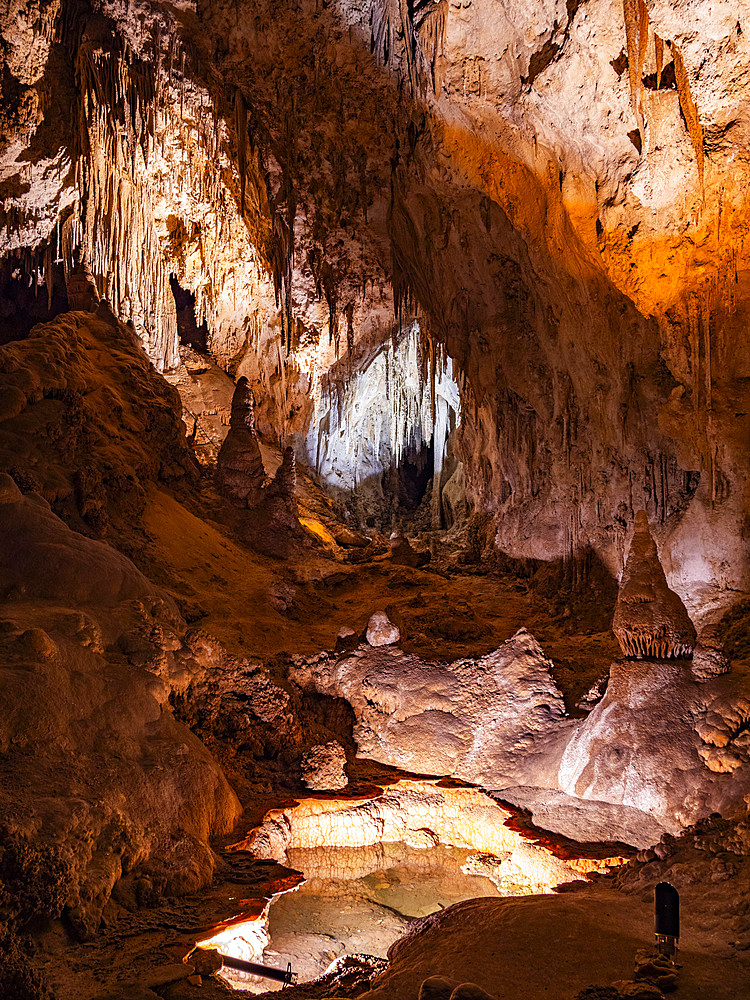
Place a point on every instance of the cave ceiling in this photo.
(556, 192)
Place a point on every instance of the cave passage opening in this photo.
(190, 332)
(382, 438)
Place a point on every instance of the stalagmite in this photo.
(650, 619)
(239, 466)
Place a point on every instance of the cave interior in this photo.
(374, 499)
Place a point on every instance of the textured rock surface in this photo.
(272, 525)
(323, 767)
(240, 475)
(94, 763)
(493, 720)
(88, 423)
(652, 754)
(381, 631)
(543, 939)
(641, 747)
(403, 554)
(528, 180)
(650, 619)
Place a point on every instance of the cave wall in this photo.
(556, 192)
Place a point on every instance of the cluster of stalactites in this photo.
(650, 619)
(114, 238)
(420, 28)
(149, 137)
(401, 399)
(652, 646)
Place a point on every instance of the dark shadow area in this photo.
(413, 475)
(190, 334)
(667, 81)
(28, 295)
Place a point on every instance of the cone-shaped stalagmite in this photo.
(650, 619)
(273, 525)
(239, 466)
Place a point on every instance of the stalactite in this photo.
(349, 314)
(659, 55)
(636, 34)
(240, 124)
(421, 27)
(119, 246)
(431, 19)
(689, 110)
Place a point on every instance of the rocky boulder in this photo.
(323, 767)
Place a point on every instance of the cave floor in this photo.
(547, 947)
(227, 589)
(539, 946)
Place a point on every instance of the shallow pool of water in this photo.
(360, 900)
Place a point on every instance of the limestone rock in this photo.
(41, 555)
(78, 702)
(99, 425)
(436, 988)
(491, 720)
(381, 631)
(631, 770)
(709, 662)
(272, 526)
(403, 554)
(349, 538)
(641, 746)
(323, 767)
(239, 467)
(282, 595)
(650, 619)
(470, 991)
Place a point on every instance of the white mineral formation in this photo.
(381, 631)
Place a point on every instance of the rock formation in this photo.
(99, 777)
(381, 631)
(542, 230)
(650, 619)
(239, 467)
(323, 767)
(272, 524)
(403, 554)
(492, 720)
(484, 269)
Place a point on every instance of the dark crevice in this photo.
(26, 298)
(414, 473)
(190, 334)
(667, 82)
